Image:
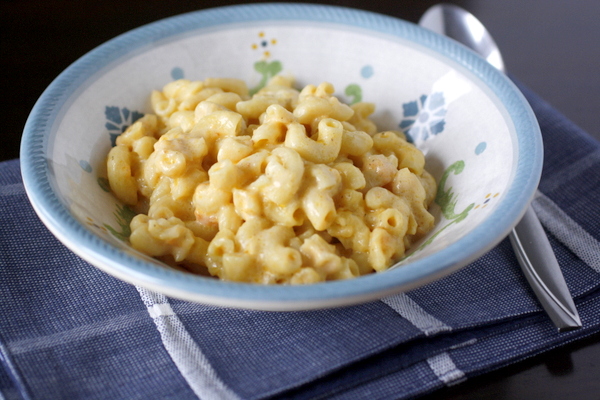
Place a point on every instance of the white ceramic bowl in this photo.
(481, 139)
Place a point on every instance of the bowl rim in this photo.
(59, 220)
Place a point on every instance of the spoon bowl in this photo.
(458, 24)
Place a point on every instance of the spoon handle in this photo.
(540, 267)
(528, 238)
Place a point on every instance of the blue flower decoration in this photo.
(118, 120)
(424, 118)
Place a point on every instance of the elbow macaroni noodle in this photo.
(286, 186)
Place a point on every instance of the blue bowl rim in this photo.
(59, 220)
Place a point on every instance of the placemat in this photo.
(70, 331)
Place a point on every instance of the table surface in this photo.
(552, 46)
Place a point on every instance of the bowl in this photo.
(480, 138)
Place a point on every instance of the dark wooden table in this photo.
(553, 46)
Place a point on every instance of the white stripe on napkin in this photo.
(569, 232)
(15, 189)
(77, 334)
(413, 312)
(569, 172)
(185, 353)
(158, 310)
(445, 369)
(441, 365)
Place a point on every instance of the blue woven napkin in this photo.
(69, 331)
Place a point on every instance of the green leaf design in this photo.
(446, 199)
(124, 215)
(103, 183)
(267, 70)
(354, 91)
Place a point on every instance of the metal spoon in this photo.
(528, 239)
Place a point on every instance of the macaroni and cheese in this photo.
(285, 186)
